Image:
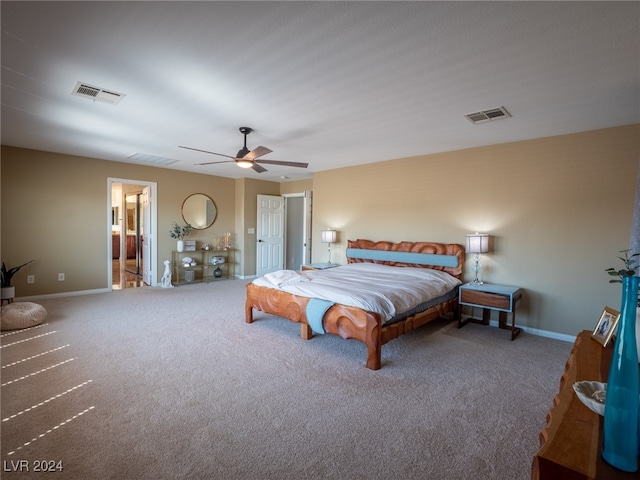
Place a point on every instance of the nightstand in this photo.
(318, 266)
(491, 297)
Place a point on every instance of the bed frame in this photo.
(353, 322)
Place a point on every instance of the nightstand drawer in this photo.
(491, 300)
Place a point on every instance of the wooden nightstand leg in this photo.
(486, 316)
(502, 320)
(514, 330)
(502, 323)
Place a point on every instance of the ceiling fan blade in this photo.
(206, 151)
(258, 168)
(286, 164)
(213, 163)
(246, 155)
(257, 152)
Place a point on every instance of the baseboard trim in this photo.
(542, 333)
(63, 294)
(246, 277)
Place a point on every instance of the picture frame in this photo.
(606, 326)
(189, 245)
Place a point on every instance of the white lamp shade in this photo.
(328, 236)
(477, 243)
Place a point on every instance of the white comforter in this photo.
(377, 288)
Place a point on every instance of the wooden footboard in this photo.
(345, 321)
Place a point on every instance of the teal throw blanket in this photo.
(316, 308)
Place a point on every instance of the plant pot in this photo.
(638, 331)
(8, 293)
(180, 245)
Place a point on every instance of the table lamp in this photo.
(477, 243)
(329, 236)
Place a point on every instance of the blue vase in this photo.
(620, 444)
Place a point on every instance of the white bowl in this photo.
(592, 394)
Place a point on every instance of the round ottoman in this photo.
(22, 315)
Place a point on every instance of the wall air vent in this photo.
(488, 115)
(97, 94)
(143, 157)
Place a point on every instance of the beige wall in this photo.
(297, 186)
(559, 210)
(54, 210)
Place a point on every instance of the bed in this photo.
(287, 294)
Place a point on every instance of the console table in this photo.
(572, 440)
(203, 270)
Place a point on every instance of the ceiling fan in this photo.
(246, 158)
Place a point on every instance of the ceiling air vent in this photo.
(143, 157)
(488, 115)
(97, 94)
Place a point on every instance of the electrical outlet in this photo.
(61, 277)
(31, 279)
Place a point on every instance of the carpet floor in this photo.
(154, 383)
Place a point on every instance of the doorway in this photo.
(131, 250)
(283, 232)
(132, 255)
(297, 243)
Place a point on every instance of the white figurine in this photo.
(166, 277)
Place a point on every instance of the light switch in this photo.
(251, 231)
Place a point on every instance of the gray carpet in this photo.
(157, 383)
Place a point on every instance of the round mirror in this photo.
(199, 211)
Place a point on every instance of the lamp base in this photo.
(476, 270)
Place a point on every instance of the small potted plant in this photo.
(6, 275)
(628, 270)
(179, 233)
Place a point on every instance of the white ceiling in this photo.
(328, 83)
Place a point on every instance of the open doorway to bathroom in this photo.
(132, 235)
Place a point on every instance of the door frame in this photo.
(153, 234)
(137, 196)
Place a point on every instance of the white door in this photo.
(270, 235)
(145, 206)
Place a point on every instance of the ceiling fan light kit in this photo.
(244, 163)
(246, 158)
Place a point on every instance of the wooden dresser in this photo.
(572, 440)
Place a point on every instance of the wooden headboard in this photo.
(448, 257)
